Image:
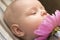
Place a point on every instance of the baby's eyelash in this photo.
(34, 13)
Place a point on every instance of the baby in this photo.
(23, 17)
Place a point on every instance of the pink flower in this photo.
(47, 26)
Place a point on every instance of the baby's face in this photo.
(30, 14)
(32, 17)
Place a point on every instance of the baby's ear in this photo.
(16, 30)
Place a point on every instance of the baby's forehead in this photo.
(24, 5)
(27, 3)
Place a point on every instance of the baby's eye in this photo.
(33, 13)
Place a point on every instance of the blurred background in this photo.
(5, 33)
(4, 4)
(50, 5)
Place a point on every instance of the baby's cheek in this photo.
(33, 19)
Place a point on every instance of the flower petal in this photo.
(57, 13)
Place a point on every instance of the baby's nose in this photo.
(43, 13)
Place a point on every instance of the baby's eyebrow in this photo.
(30, 9)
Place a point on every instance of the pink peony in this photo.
(47, 26)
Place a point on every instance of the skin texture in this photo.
(23, 17)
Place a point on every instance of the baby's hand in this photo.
(48, 25)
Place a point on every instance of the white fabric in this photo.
(58, 34)
(4, 30)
